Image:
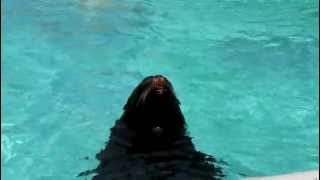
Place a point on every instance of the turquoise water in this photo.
(246, 72)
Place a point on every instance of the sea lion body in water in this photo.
(150, 142)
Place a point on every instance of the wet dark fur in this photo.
(138, 150)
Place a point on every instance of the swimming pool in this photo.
(246, 73)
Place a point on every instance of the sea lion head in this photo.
(154, 106)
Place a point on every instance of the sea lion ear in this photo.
(130, 103)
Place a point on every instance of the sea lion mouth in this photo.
(157, 130)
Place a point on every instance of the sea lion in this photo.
(150, 140)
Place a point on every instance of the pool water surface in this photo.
(246, 73)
